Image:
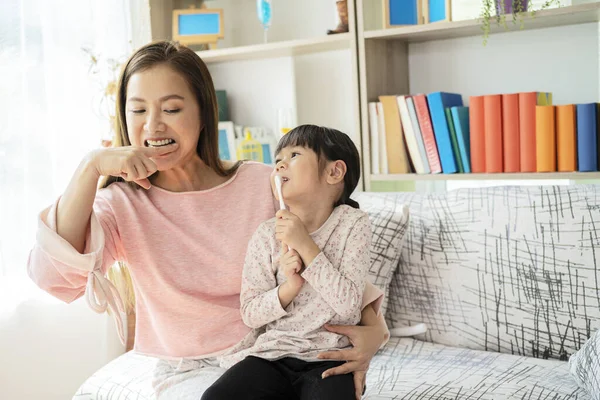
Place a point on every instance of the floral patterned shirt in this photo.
(332, 293)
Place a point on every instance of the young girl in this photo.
(305, 268)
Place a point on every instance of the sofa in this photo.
(504, 278)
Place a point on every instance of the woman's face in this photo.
(161, 110)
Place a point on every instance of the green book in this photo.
(223, 105)
(455, 150)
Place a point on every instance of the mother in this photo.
(183, 236)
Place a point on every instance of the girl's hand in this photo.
(290, 229)
(291, 265)
(132, 163)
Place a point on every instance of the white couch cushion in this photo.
(389, 218)
(507, 269)
(585, 366)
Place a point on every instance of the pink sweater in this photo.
(185, 252)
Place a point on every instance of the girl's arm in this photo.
(342, 288)
(262, 300)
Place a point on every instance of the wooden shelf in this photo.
(503, 176)
(568, 15)
(278, 49)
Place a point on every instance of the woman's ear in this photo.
(336, 172)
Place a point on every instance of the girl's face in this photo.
(161, 110)
(299, 168)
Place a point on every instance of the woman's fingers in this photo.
(343, 369)
(145, 183)
(339, 355)
(360, 377)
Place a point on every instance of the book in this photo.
(438, 102)
(460, 117)
(426, 127)
(409, 135)
(417, 129)
(527, 126)
(453, 140)
(374, 137)
(477, 134)
(492, 109)
(545, 139)
(566, 138)
(587, 136)
(397, 156)
(510, 132)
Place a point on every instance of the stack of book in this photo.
(514, 132)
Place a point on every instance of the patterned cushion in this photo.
(389, 221)
(404, 369)
(411, 369)
(507, 269)
(127, 377)
(585, 366)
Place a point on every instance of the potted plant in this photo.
(499, 9)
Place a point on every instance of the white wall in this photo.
(562, 60)
(325, 91)
(256, 89)
(48, 348)
(291, 19)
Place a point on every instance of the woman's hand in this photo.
(132, 163)
(366, 341)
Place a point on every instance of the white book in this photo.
(374, 136)
(418, 134)
(409, 135)
(383, 161)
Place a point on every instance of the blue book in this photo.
(438, 102)
(404, 12)
(438, 10)
(460, 116)
(587, 137)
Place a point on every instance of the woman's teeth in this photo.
(158, 143)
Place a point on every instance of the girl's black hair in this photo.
(332, 145)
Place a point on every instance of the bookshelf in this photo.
(403, 61)
(499, 176)
(290, 71)
(330, 79)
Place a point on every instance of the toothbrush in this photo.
(278, 183)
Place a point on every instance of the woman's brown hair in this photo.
(191, 67)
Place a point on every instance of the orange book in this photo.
(527, 126)
(545, 139)
(510, 132)
(477, 134)
(492, 109)
(566, 138)
(398, 162)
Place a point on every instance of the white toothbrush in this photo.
(278, 183)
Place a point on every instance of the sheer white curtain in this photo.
(52, 109)
(51, 115)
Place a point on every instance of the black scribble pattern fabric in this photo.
(510, 269)
(389, 218)
(585, 366)
(409, 369)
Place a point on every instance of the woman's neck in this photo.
(195, 175)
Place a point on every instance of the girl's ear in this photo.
(336, 172)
